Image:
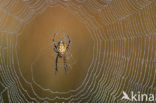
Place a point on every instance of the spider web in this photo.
(124, 50)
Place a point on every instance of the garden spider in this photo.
(61, 48)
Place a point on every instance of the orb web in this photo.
(123, 58)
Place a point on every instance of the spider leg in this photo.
(56, 62)
(65, 65)
(53, 40)
(69, 43)
(55, 49)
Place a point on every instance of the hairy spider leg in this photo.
(65, 65)
(56, 62)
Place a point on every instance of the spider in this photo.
(61, 48)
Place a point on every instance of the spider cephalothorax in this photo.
(61, 48)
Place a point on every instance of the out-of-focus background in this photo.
(113, 50)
